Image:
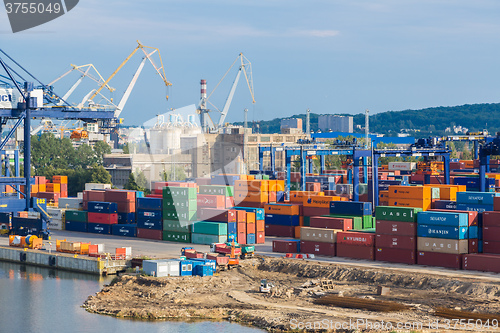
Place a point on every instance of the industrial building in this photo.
(335, 123)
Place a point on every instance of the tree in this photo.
(126, 148)
(101, 148)
(131, 183)
(100, 175)
(141, 179)
(169, 175)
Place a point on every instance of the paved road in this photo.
(161, 249)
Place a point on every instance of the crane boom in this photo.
(229, 99)
(77, 83)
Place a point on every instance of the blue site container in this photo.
(203, 270)
(210, 262)
(75, 226)
(474, 232)
(150, 203)
(250, 238)
(474, 208)
(185, 267)
(149, 224)
(357, 208)
(99, 228)
(476, 198)
(231, 227)
(149, 214)
(440, 231)
(128, 230)
(288, 220)
(102, 207)
(232, 237)
(442, 218)
(126, 218)
(445, 204)
(259, 212)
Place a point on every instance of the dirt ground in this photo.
(234, 296)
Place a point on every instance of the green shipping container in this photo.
(76, 215)
(357, 221)
(227, 191)
(307, 221)
(177, 226)
(367, 222)
(174, 236)
(207, 239)
(402, 214)
(180, 205)
(294, 186)
(368, 231)
(170, 192)
(174, 215)
(209, 228)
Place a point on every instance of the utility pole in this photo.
(308, 123)
(367, 128)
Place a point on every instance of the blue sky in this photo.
(330, 56)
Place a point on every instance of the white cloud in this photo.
(319, 33)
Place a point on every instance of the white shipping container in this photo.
(96, 186)
(403, 166)
(56, 224)
(70, 203)
(56, 213)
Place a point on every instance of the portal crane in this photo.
(244, 66)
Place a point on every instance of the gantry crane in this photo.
(244, 66)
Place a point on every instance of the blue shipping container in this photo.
(474, 232)
(102, 207)
(474, 208)
(288, 220)
(231, 227)
(129, 230)
(150, 203)
(476, 198)
(250, 238)
(356, 208)
(439, 231)
(210, 262)
(75, 226)
(150, 224)
(232, 237)
(441, 218)
(99, 228)
(126, 218)
(203, 270)
(149, 214)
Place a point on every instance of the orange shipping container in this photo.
(260, 225)
(410, 192)
(281, 209)
(321, 201)
(53, 187)
(276, 185)
(251, 228)
(272, 197)
(60, 179)
(42, 187)
(250, 217)
(251, 196)
(448, 193)
(401, 202)
(297, 232)
(252, 185)
(241, 216)
(299, 196)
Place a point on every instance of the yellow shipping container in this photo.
(410, 192)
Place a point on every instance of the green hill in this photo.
(426, 122)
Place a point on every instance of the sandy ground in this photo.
(234, 295)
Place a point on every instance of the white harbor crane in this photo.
(244, 66)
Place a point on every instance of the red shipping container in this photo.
(229, 202)
(313, 187)
(496, 204)
(280, 230)
(64, 194)
(491, 234)
(260, 237)
(491, 247)
(473, 245)
(447, 260)
(356, 238)
(491, 219)
(119, 195)
(396, 255)
(251, 228)
(396, 242)
(212, 201)
(355, 251)
(241, 227)
(126, 207)
(396, 228)
(241, 238)
(241, 216)
(330, 223)
(203, 181)
(272, 197)
(481, 262)
(94, 195)
(52, 197)
(325, 249)
(150, 234)
(217, 214)
(260, 226)
(64, 187)
(285, 246)
(473, 216)
(159, 196)
(315, 211)
(245, 203)
(102, 218)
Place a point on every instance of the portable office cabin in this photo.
(161, 268)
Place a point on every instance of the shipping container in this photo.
(227, 191)
(396, 241)
(150, 224)
(396, 255)
(388, 213)
(396, 228)
(120, 196)
(330, 223)
(491, 219)
(350, 208)
(442, 245)
(438, 231)
(149, 204)
(76, 215)
(260, 237)
(102, 207)
(250, 228)
(357, 221)
(281, 209)
(178, 226)
(179, 193)
(491, 247)
(445, 204)
(447, 260)
(103, 218)
(315, 211)
(279, 230)
(126, 218)
(209, 228)
(481, 262)
(441, 218)
(473, 217)
(355, 251)
(99, 228)
(476, 198)
(180, 205)
(211, 201)
(173, 236)
(174, 215)
(286, 246)
(148, 214)
(217, 215)
(150, 234)
(410, 192)
(259, 212)
(424, 204)
(75, 226)
(285, 220)
(318, 248)
(356, 238)
(129, 230)
(491, 234)
(474, 207)
(250, 238)
(161, 268)
(207, 239)
(319, 234)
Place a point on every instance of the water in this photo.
(34, 299)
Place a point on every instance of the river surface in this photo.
(41, 300)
